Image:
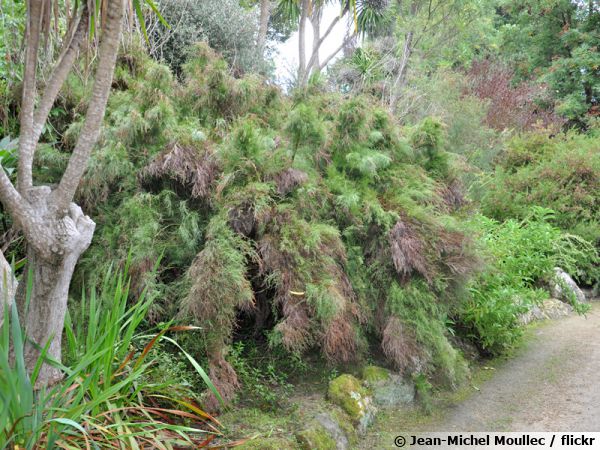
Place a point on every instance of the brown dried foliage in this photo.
(241, 219)
(213, 296)
(400, 346)
(300, 326)
(295, 328)
(511, 106)
(452, 195)
(409, 251)
(225, 381)
(454, 252)
(288, 180)
(194, 169)
(339, 343)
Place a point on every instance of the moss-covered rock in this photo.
(388, 389)
(345, 424)
(316, 438)
(348, 392)
(374, 375)
(270, 443)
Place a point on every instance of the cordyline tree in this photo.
(364, 13)
(55, 229)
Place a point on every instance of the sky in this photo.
(286, 62)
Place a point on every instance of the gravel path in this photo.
(551, 384)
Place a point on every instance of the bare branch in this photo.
(59, 74)
(26, 141)
(317, 45)
(109, 46)
(335, 52)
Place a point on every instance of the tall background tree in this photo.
(358, 17)
(557, 42)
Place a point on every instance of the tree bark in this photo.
(406, 54)
(8, 286)
(314, 59)
(265, 15)
(26, 138)
(109, 47)
(402, 70)
(50, 280)
(315, 21)
(314, 64)
(304, 5)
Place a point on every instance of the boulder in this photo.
(374, 375)
(551, 308)
(564, 288)
(389, 389)
(347, 392)
(316, 437)
(335, 430)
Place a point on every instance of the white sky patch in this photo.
(286, 59)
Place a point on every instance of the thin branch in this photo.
(26, 141)
(317, 46)
(335, 52)
(109, 46)
(59, 75)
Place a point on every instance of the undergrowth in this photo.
(104, 399)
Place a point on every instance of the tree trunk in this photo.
(265, 14)
(301, 42)
(50, 279)
(8, 286)
(315, 21)
(56, 230)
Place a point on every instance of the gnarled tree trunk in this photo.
(51, 274)
(56, 230)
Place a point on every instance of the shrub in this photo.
(227, 26)
(428, 140)
(305, 128)
(211, 93)
(560, 173)
(361, 236)
(522, 256)
(522, 107)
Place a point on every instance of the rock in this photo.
(373, 375)
(549, 309)
(316, 437)
(592, 294)
(389, 389)
(347, 392)
(564, 288)
(334, 430)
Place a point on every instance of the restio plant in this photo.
(311, 223)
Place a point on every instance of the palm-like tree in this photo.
(364, 17)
